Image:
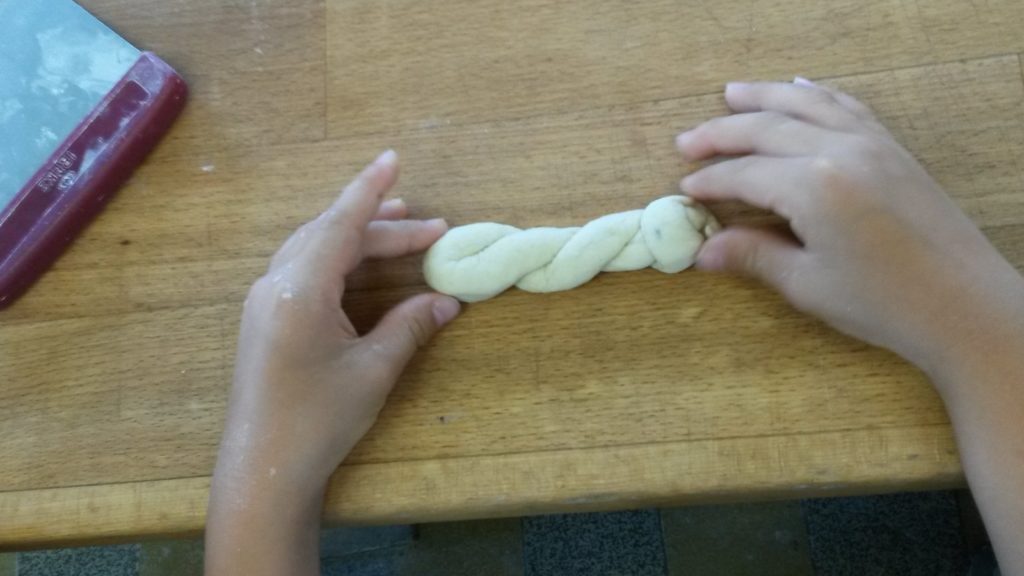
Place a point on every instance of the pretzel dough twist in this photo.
(479, 261)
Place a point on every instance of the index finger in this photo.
(808, 103)
(334, 245)
(775, 184)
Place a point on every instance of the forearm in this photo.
(988, 432)
(307, 386)
(984, 394)
(259, 525)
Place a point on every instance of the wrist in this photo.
(981, 346)
(259, 482)
(259, 523)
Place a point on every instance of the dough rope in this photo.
(479, 261)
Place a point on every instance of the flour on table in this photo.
(479, 261)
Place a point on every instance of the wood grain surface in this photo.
(637, 389)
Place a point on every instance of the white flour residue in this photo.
(46, 137)
(91, 62)
(8, 108)
(88, 158)
(57, 62)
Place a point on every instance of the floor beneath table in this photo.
(928, 533)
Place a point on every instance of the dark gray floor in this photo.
(610, 543)
(108, 560)
(908, 534)
(928, 533)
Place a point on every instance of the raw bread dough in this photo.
(480, 261)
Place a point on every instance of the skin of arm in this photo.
(307, 387)
(880, 252)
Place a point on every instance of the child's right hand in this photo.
(883, 255)
(886, 256)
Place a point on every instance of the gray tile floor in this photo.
(933, 533)
(628, 542)
(765, 539)
(907, 534)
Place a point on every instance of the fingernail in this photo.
(708, 258)
(733, 86)
(445, 310)
(801, 81)
(396, 202)
(683, 139)
(686, 183)
(438, 223)
(387, 157)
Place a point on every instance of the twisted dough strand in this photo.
(479, 261)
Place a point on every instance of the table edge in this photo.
(581, 480)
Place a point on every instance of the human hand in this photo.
(881, 252)
(307, 387)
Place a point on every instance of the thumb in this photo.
(410, 325)
(755, 252)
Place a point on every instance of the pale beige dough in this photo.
(479, 261)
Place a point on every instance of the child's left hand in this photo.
(307, 387)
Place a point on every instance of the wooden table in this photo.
(639, 389)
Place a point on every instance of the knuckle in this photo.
(777, 122)
(834, 182)
(774, 117)
(821, 99)
(259, 289)
(826, 169)
(724, 125)
(291, 245)
(276, 293)
(418, 330)
(344, 234)
(333, 216)
(377, 367)
(302, 232)
(281, 258)
(708, 129)
(866, 149)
